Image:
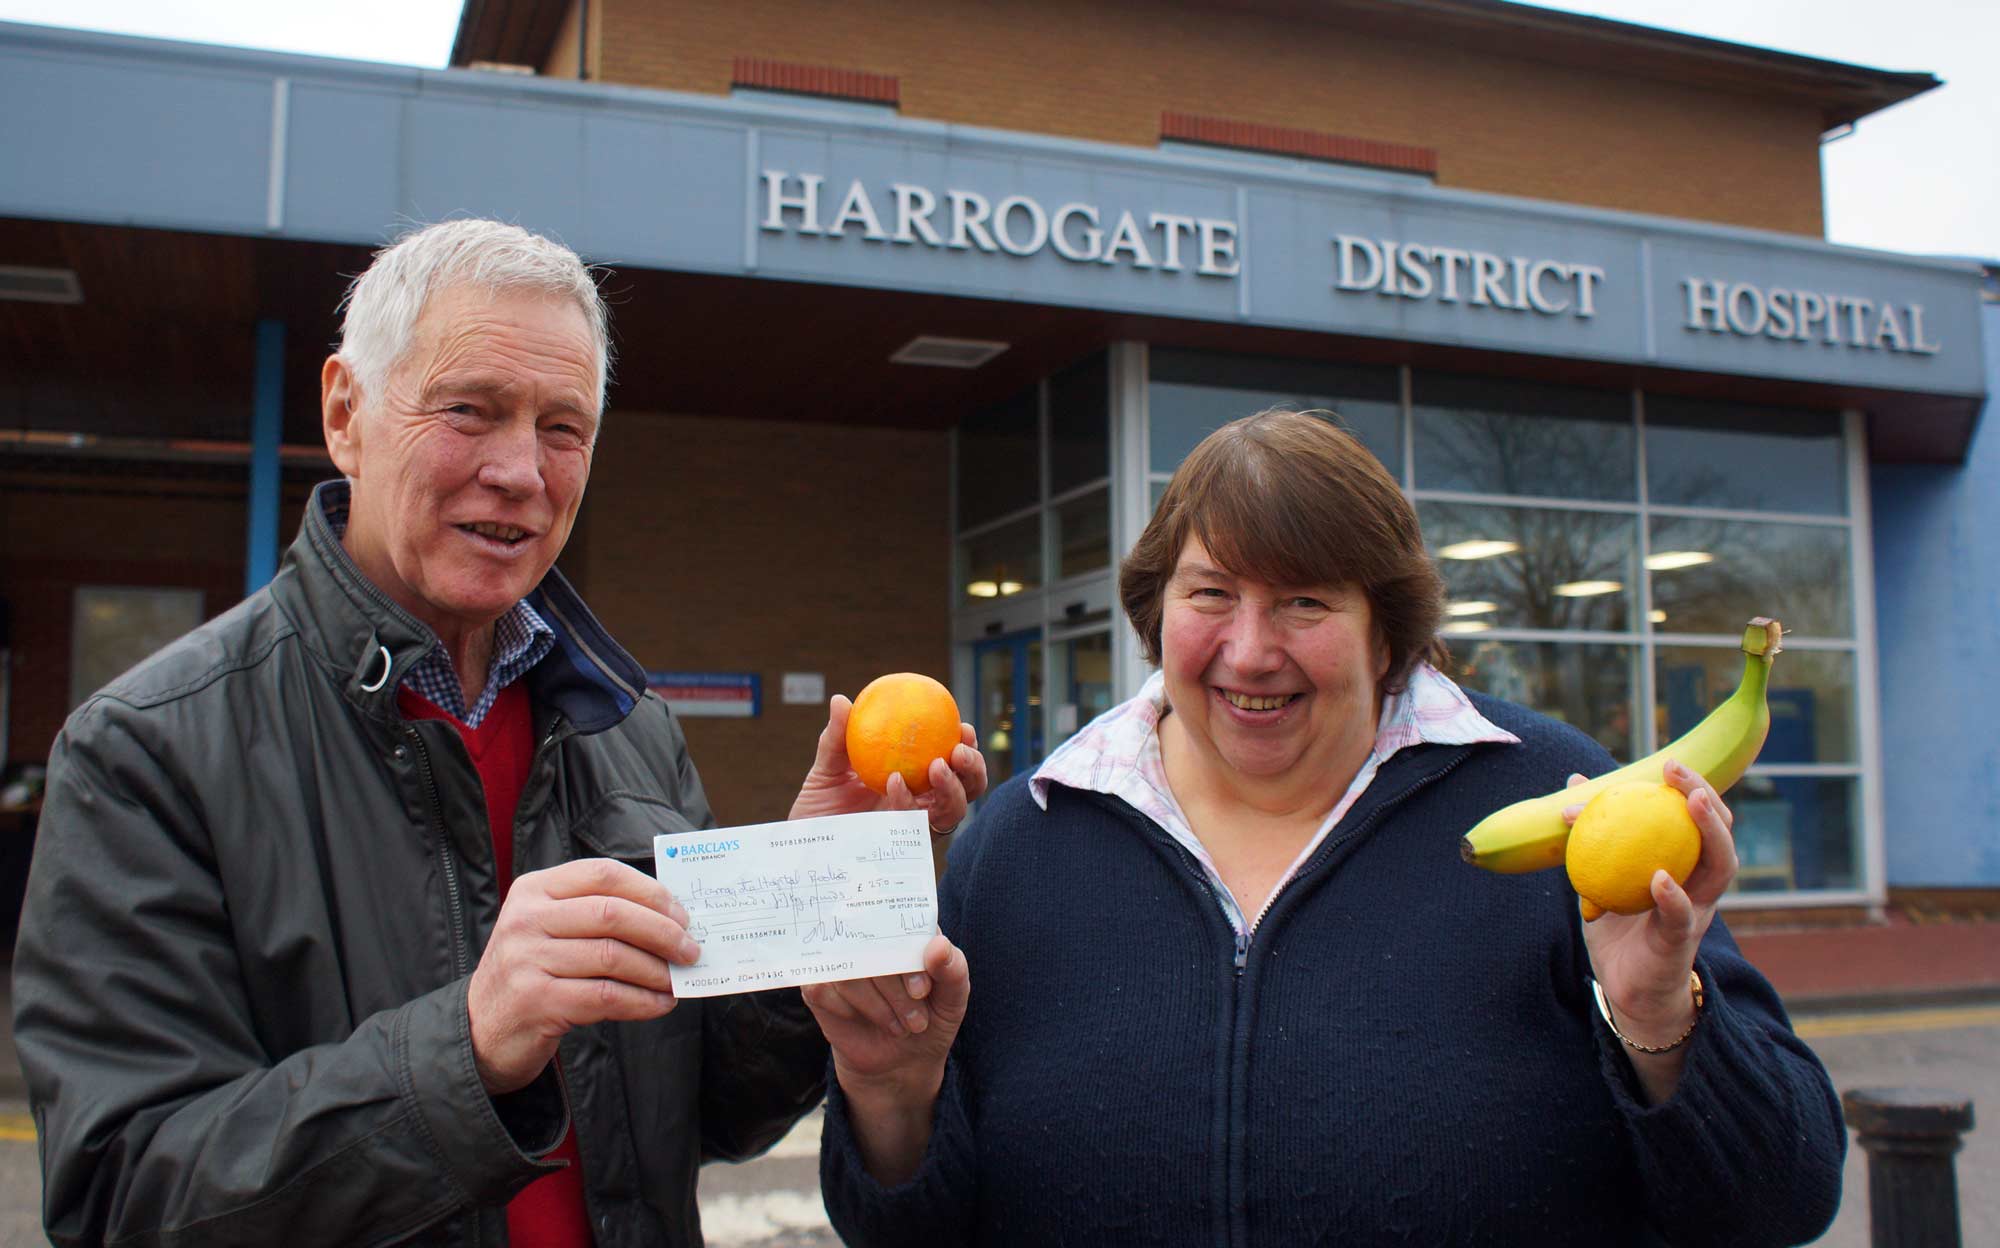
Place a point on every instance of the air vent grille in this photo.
(31, 285)
(947, 352)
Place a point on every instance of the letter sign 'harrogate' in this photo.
(1455, 275)
(1018, 225)
(1803, 315)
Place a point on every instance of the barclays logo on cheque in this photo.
(702, 849)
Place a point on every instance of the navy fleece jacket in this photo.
(1408, 1053)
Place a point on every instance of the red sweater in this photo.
(550, 1211)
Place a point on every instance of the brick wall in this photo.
(562, 59)
(57, 536)
(705, 544)
(1500, 122)
(710, 544)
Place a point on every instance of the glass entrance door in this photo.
(1008, 712)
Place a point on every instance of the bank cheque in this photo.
(809, 901)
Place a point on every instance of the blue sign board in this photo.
(712, 695)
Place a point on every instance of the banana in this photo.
(1531, 834)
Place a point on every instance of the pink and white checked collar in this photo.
(1118, 754)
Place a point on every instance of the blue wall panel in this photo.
(1937, 586)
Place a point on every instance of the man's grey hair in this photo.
(383, 304)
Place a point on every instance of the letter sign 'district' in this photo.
(1421, 271)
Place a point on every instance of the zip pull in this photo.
(1242, 950)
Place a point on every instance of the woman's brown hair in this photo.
(1291, 499)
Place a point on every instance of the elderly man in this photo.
(332, 935)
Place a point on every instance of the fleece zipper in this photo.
(1244, 981)
(1229, 1190)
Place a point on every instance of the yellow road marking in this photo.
(16, 1127)
(1900, 1020)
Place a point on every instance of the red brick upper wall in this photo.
(1500, 121)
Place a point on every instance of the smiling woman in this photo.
(1286, 975)
(1258, 590)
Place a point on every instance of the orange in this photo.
(1626, 833)
(899, 723)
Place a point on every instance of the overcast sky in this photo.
(1921, 177)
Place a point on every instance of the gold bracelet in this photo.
(1604, 1008)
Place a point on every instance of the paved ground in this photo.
(774, 1202)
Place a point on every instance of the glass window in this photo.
(1733, 456)
(114, 628)
(1713, 576)
(1811, 695)
(1796, 832)
(999, 460)
(1594, 687)
(1534, 567)
(1002, 562)
(1480, 435)
(1193, 393)
(1083, 533)
(1080, 425)
(1080, 683)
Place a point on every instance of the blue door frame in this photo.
(1025, 734)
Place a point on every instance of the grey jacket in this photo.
(256, 899)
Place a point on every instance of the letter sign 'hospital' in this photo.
(1805, 315)
(1018, 225)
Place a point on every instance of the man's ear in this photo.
(339, 397)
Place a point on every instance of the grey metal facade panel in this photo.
(179, 136)
(1043, 277)
(343, 179)
(106, 140)
(1302, 283)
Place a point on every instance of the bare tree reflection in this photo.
(1561, 554)
(1796, 573)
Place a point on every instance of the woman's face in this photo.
(1268, 679)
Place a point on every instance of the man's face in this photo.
(469, 465)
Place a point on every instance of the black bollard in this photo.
(1910, 1135)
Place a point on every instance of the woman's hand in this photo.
(890, 1036)
(832, 788)
(1642, 960)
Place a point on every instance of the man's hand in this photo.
(890, 1037)
(832, 788)
(580, 943)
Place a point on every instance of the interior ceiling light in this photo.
(983, 589)
(31, 285)
(1657, 616)
(1477, 548)
(1668, 560)
(947, 352)
(1466, 626)
(1009, 588)
(1470, 608)
(1586, 589)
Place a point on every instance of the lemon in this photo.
(1626, 833)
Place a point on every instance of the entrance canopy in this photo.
(762, 243)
